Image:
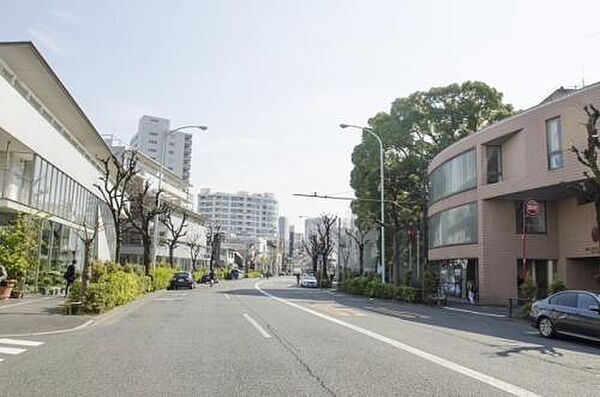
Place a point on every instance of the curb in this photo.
(99, 319)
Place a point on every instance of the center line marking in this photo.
(257, 326)
(487, 379)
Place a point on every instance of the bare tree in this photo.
(213, 240)
(144, 207)
(313, 249)
(88, 236)
(118, 174)
(195, 246)
(590, 186)
(325, 231)
(359, 236)
(175, 230)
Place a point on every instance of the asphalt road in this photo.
(240, 338)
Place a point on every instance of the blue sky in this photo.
(273, 79)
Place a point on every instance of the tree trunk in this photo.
(117, 244)
(147, 248)
(396, 257)
(86, 274)
(361, 259)
(171, 249)
(314, 266)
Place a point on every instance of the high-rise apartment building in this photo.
(241, 214)
(152, 138)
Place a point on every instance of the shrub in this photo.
(253, 274)
(557, 286)
(529, 290)
(161, 277)
(198, 274)
(113, 289)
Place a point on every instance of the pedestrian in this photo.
(471, 295)
(3, 274)
(70, 276)
(297, 278)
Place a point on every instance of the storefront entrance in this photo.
(541, 271)
(458, 276)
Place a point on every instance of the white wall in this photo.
(23, 122)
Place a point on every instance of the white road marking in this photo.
(227, 296)
(58, 331)
(11, 350)
(489, 380)
(19, 342)
(257, 326)
(474, 312)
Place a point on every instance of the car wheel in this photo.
(546, 327)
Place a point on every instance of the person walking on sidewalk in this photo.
(70, 276)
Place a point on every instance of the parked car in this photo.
(182, 280)
(575, 313)
(309, 281)
(206, 279)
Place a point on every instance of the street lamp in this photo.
(160, 178)
(382, 196)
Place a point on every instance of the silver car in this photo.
(308, 281)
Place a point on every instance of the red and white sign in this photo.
(532, 208)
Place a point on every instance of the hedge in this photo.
(370, 286)
(113, 285)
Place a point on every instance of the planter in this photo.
(5, 292)
(16, 293)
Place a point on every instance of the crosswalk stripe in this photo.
(11, 350)
(19, 342)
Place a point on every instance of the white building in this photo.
(242, 215)
(284, 227)
(49, 160)
(152, 139)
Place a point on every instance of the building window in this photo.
(152, 150)
(454, 226)
(154, 134)
(533, 224)
(494, 163)
(153, 141)
(554, 143)
(455, 175)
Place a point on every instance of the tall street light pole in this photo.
(382, 194)
(160, 178)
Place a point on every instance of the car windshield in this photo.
(182, 274)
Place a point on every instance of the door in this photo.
(563, 308)
(587, 322)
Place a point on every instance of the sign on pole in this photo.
(532, 208)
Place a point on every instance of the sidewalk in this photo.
(484, 310)
(36, 314)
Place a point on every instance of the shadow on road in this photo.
(505, 328)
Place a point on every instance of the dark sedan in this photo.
(182, 280)
(575, 313)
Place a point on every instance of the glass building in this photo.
(49, 164)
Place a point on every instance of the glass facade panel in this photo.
(454, 226)
(554, 143)
(455, 175)
(494, 163)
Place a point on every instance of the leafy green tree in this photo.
(415, 129)
(18, 246)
